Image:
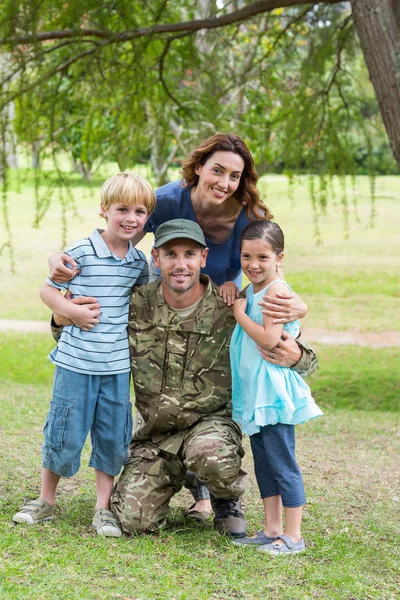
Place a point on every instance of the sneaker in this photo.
(34, 511)
(105, 523)
(260, 539)
(288, 547)
(229, 517)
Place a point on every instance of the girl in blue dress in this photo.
(269, 400)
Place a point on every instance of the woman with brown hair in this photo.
(218, 191)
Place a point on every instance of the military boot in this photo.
(229, 517)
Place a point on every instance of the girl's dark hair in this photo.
(247, 193)
(265, 230)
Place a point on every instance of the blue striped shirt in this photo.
(105, 348)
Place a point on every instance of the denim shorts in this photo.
(82, 403)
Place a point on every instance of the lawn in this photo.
(349, 283)
(349, 460)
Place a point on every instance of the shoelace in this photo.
(226, 508)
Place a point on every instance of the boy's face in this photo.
(125, 221)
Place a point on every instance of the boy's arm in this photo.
(81, 315)
(58, 321)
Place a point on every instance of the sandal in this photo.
(260, 539)
(288, 547)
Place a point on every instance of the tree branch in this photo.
(243, 14)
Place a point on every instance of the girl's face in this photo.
(259, 263)
(219, 177)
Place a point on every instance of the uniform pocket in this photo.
(54, 428)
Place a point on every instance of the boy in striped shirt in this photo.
(91, 381)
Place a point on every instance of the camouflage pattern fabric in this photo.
(212, 448)
(181, 368)
(308, 363)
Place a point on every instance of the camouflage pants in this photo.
(151, 476)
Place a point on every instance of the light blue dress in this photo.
(263, 393)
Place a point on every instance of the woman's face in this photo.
(219, 177)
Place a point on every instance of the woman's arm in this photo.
(283, 308)
(136, 238)
(59, 272)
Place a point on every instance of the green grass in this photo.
(349, 283)
(349, 461)
(357, 377)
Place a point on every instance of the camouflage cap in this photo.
(179, 229)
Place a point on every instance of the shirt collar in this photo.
(103, 251)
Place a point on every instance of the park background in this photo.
(329, 178)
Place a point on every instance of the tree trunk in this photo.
(35, 155)
(377, 25)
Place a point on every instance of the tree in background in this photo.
(132, 81)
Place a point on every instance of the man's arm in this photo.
(295, 354)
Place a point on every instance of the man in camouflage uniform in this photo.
(179, 333)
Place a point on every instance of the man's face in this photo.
(180, 262)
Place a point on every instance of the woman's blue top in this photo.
(223, 260)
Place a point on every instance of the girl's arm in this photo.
(229, 292)
(266, 335)
(81, 315)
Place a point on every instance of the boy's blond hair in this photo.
(128, 188)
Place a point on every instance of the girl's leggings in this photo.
(275, 464)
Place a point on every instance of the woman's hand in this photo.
(286, 353)
(239, 307)
(229, 291)
(58, 271)
(284, 308)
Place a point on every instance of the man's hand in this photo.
(284, 308)
(58, 271)
(88, 317)
(286, 353)
(229, 291)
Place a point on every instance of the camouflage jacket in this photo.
(181, 368)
